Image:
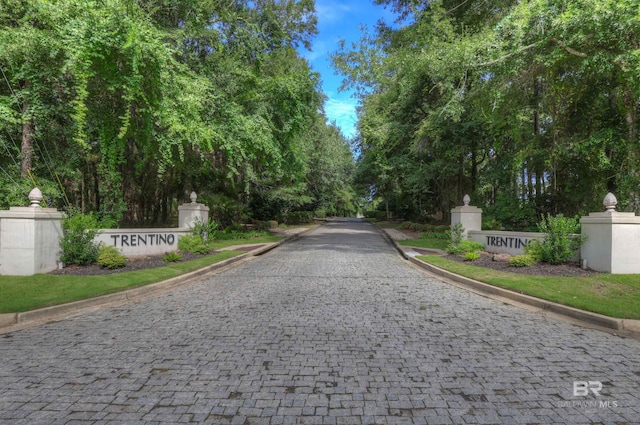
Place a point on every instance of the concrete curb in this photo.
(585, 318)
(61, 311)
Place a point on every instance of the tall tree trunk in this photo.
(631, 117)
(28, 130)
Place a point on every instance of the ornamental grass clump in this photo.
(171, 257)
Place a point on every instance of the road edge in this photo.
(8, 321)
(625, 327)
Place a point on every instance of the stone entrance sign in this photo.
(139, 242)
(30, 236)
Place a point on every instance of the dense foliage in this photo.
(124, 107)
(529, 106)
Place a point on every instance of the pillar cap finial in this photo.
(466, 200)
(193, 197)
(610, 202)
(35, 196)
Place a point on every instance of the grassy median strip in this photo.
(258, 240)
(426, 243)
(608, 294)
(24, 293)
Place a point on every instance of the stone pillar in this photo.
(613, 240)
(189, 214)
(30, 238)
(469, 216)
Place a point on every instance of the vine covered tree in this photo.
(122, 108)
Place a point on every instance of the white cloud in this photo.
(331, 12)
(343, 113)
(320, 49)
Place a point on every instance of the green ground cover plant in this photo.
(608, 294)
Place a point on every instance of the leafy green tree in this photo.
(526, 105)
(128, 106)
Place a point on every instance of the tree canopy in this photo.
(124, 107)
(529, 106)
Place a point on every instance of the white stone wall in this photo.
(613, 242)
(141, 242)
(502, 242)
(29, 240)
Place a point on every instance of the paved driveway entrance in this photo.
(334, 328)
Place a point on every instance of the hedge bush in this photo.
(110, 257)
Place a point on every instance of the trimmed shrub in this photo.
(522, 261)
(193, 244)
(110, 257)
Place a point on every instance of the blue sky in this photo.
(340, 20)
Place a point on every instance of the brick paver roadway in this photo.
(334, 328)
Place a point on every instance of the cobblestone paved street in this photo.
(334, 328)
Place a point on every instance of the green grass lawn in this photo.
(426, 243)
(608, 294)
(24, 293)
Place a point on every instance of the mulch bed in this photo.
(137, 263)
(486, 260)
